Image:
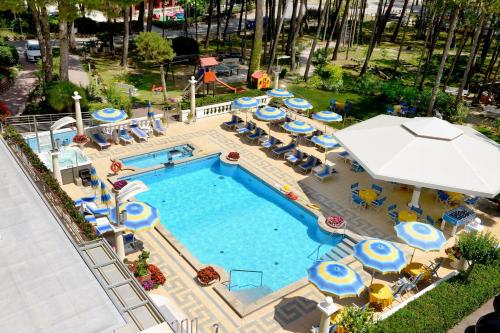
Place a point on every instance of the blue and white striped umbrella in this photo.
(245, 103)
(335, 278)
(280, 93)
(379, 255)
(298, 127)
(298, 104)
(326, 141)
(420, 236)
(105, 195)
(94, 180)
(270, 113)
(327, 116)
(109, 115)
(140, 216)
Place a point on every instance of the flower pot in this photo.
(143, 278)
(206, 284)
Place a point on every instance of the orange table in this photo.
(455, 197)
(407, 216)
(381, 294)
(368, 195)
(415, 269)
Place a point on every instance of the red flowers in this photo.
(233, 156)
(335, 221)
(156, 275)
(207, 275)
(80, 139)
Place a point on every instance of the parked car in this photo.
(32, 50)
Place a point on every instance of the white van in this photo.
(32, 50)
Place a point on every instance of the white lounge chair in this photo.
(324, 172)
(138, 133)
(100, 140)
(124, 136)
(158, 128)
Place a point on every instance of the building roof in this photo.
(258, 75)
(208, 62)
(45, 284)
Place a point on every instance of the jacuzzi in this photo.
(71, 161)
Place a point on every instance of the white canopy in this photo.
(425, 152)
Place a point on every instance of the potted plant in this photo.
(354, 319)
(207, 276)
(157, 276)
(80, 139)
(454, 255)
(476, 247)
(233, 156)
(335, 221)
(141, 267)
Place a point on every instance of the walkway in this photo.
(77, 74)
(15, 98)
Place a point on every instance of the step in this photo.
(250, 295)
(346, 248)
(349, 241)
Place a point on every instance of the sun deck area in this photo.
(293, 308)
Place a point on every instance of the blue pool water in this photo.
(65, 138)
(228, 217)
(159, 157)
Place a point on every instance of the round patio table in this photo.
(455, 196)
(415, 269)
(407, 216)
(368, 195)
(381, 294)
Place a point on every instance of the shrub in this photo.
(355, 319)
(118, 100)
(331, 77)
(477, 248)
(59, 95)
(446, 305)
(320, 57)
(367, 84)
(8, 55)
(315, 82)
(156, 275)
(141, 268)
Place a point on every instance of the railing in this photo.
(42, 122)
(261, 273)
(221, 108)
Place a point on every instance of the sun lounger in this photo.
(125, 137)
(100, 140)
(158, 128)
(245, 128)
(285, 149)
(344, 156)
(294, 157)
(257, 134)
(325, 172)
(271, 143)
(79, 202)
(315, 133)
(138, 133)
(235, 120)
(309, 164)
(102, 225)
(92, 208)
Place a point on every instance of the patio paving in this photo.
(297, 311)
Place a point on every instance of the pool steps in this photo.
(344, 249)
(250, 295)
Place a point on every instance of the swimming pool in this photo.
(159, 157)
(226, 216)
(64, 136)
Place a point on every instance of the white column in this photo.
(120, 247)
(78, 113)
(276, 79)
(193, 96)
(415, 197)
(56, 169)
(327, 308)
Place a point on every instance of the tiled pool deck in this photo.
(297, 311)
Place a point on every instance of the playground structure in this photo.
(207, 77)
(261, 80)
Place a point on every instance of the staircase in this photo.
(344, 249)
(250, 295)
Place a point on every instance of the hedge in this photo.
(202, 101)
(8, 55)
(11, 135)
(446, 305)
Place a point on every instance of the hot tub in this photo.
(71, 161)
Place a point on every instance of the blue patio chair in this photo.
(356, 167)
(309, 164)
(92, 208)
(343, 155)
(414, 283)
(355, 188)
(390, 110)
(326, 172)
(471, 201)
(433, 267)
(411, 111)
(357, 201)
(377, 188)
(285, 149)
(443, 197)
(417, 210)
(399, 289)
(333, 105)
(242, 129)
(430, 220)
(271, 143)
(392, 212)
(377, 204)
(259, 132)
(294, 157)
(233, 122)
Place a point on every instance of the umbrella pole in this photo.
(411, 259)
(371, 282)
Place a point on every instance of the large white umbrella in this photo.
(425, 152)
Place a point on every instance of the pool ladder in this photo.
(261, 273)
(184, 326)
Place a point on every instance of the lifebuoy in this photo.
(116, 166)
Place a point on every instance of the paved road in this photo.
(16, 96)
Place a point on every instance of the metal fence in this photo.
(42, 122)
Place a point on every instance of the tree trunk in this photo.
(63, 49)
(257, 41)
(487, 43)
(295, 4)
(278, 33)
(140, 18)
(334, 25)
(72, 40)
(315, 40)
(244, 41)
(427, 37)
(372, 40)
(456, 59)
(434, 38)
(217, 2)
(400, 21)
(361, 20)
(451, 32)
(293, 50)
(124, 62)
(383, 21)
(342, 28)
(472, 57)
(491, 65)
(210, 14)
(405, 30)
(41, 40)
(44, 19)
(163, 82)
(149, 20)
(241, 16)
(228, 16)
